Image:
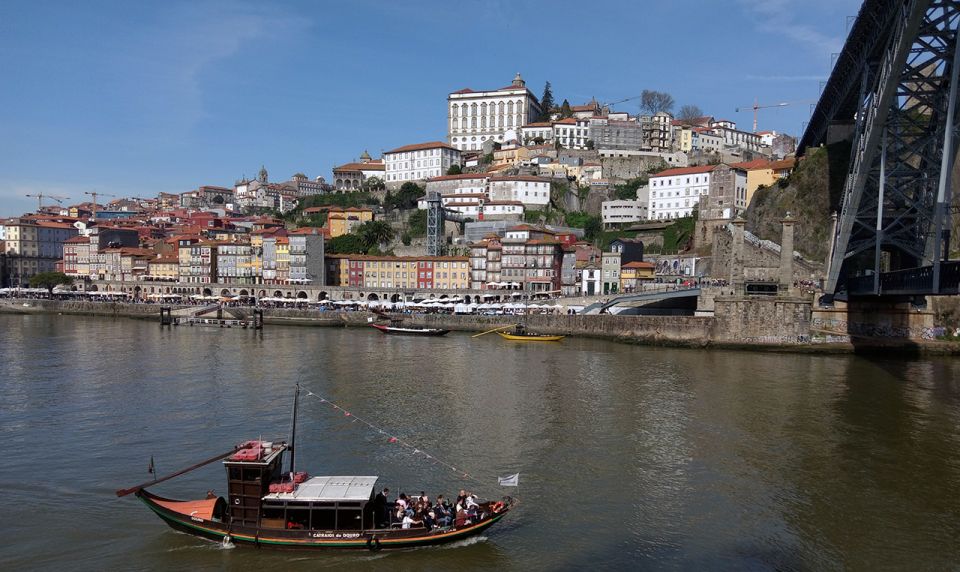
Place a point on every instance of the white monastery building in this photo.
(418, 162)
(474, 117)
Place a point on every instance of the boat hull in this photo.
(309, 539)
(530, 338)
(390, 330)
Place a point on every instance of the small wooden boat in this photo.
(400, 330)
(530, 337)
(268, 508)
(520, 334)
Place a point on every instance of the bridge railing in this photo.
(909, 281)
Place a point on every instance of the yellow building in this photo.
(634, 274)
(164, 268)
(407, 272)
(283, 259)
(342, 221)
(763, 173)
(684, 137)
(511, 156)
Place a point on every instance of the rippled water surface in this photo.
(630, 457)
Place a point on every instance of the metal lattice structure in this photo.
(435, 218)
(893, 231)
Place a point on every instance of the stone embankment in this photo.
(777, 324)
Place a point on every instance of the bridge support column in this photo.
(786, 256)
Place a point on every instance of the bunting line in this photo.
(391, 438)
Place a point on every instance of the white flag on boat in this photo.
(510, 480)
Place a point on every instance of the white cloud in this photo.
(777, 17)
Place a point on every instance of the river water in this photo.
(629, 457)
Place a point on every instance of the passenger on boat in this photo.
(407, 520)
(380, 503)
(444, 514)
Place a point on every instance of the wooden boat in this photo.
(406, 331)
(530, 337)
(268, 508)
(520, 334)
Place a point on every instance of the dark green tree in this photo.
(565, 110)
(454, 170)
(417, 223)
(376, 233)
(346, 244)
(50, 280)
(546, 102)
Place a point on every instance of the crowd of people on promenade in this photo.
(418, 511)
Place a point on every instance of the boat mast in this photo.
(293, 431)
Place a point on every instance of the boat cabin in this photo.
(249, 473)
(261, 495)
(323, 503)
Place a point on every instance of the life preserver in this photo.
(497, 506)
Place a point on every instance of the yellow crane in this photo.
(40, 196)
(95, 194)
(756, 107)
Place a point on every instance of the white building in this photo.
(674, 193)
(623, 211)
(705, 141)
(533, 192)
(474, 117)
(418, 162)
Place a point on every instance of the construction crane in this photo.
(40, 196)
(756, 107)
(611, 104)
(95, 194)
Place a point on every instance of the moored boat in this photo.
(521, 334)
(400, 330)
(267, 507)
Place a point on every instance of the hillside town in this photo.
(523, 194)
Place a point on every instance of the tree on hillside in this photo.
(454, 170)
(656, 101)
(565, 110)
(50, 280)
(417, 223)
(373, 184)
(345, 244)
(406, 197)
(375, 233)
(689, 113)
(546, 102)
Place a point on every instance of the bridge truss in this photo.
(893, 234)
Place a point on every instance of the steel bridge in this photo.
(895, 85)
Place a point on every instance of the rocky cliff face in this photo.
(810, 195)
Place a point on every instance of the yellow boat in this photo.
(528, 337)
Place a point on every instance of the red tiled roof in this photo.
(461, 176)
(685, 171)
(77, 240)
(529, 178)
(639, 265)
(360, 167)
(538, 124)
(422, 146)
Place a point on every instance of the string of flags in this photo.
(394, 439)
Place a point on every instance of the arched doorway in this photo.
(244, 292)
(373, 297)
(224, 292)
(277, 294)
(94, 288)
(262, 294)
(322, 296)
(395, 298)
(207, 292)
(466, 299)
(301, 295)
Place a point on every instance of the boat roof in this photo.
(329, 489)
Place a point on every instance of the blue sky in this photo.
(136, 98)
